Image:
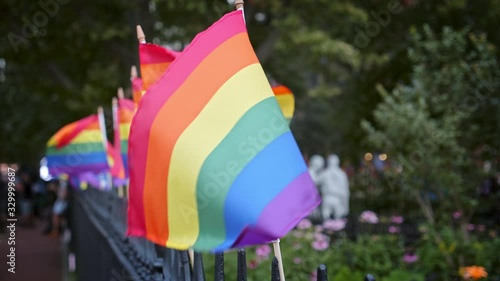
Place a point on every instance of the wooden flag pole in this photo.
(116, 127)
(239, 4)
(102, 125)
(140, 35)
(133, 72)
(277, 253)
(121, 93)
(276, 244)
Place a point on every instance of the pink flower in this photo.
(314, 276)
(481, 228)
(457, 215)
(318, 228)
(397, 219)
(368, 217)
(297, 260)
(320, 244)
(263, 251)
(470, 227)
(304, 224)
(334, 225)
(296, 245)
(410, 258)
(393, 229)
(252, 264)
(320, 236)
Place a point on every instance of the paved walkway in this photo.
(37, 257)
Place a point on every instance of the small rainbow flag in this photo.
(77, 148)
(115, 162)
(154, 62)
(125, 113)
(213, 162)
(286, 101)
(137, 91)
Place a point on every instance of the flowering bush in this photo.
(386, 256)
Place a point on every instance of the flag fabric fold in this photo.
(213, 164)
(154, 61)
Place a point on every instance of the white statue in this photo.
(316, 167)
(334, 186)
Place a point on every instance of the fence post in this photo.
(322, 273)
(369, 277)
(198, 270)
(275, 271)
(158, 270)
(219, 267)
(185, 266)
(242, 265)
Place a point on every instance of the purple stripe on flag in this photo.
(95, 168)
(280, 216)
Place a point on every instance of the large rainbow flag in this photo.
(286, 101)
(77, 148)
(213, 162)
(154, 61)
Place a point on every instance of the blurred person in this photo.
(50, 197)
(59, 209)
(39, 193)
(25, 199)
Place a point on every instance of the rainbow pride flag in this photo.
(77, 148)
(101, 180)
(286, 101)
(117, 169)
(137, 91)
(154, 61)
(213, 162)
(125, 113)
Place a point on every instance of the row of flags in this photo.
(205, 147)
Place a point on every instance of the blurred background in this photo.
(406, 93)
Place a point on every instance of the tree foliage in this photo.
(431, 128)
(81, 52)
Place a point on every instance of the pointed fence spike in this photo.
(219, 267)
(322, 273)
(369, 277)
(275, 271)
(198, 270)
(185, 266)
(242, 265)
(158, 270)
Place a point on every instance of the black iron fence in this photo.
(97, 221)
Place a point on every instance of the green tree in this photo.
(430, 127)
